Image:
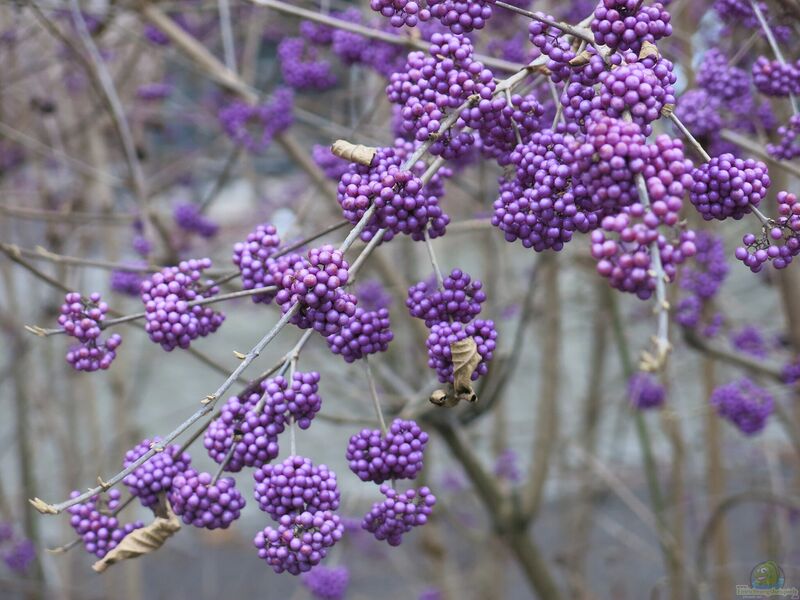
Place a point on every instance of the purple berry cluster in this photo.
(401, 12)
(398, 513)
(645, 392)
(432, 84)
(553, 44)
(367, 332)
(300, 541)
(302, 68)
(461, 16)
(444, 334)
(721, 79)
(170, 320)
(202, 502)
(253, 258)
(154, 477)
(502, 120)
(80, 318)
(627, 24)
(188, 217)
(397, 455)
(317, 283)
(506, 466)
(758, 250)
(403, 204)
(774, 78)
(250, 426)
(295, 486)
(254, 127)
(790, 373)
(706, 274)
(700, 112)
(540, 207)
(126, 282)
(327, 583)
(750, 340)
(788, 147)
(20, 556)
(727, 186)
(299, 401)
(95, 523)
(459, 299)
(641, 87)
(744, 404)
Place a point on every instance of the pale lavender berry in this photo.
(299, 401)
(401, 12)
(81, 318)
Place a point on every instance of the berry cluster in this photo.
(202, 502)
(367, 332)
(154, 477)
(727, 186)
(700, 112)
(459, 299)
(744, 404)
(327, 583)
(432, 84)
(95, 523)
(749, 340)
(705, 275)
(398, 513)
(372, 295)
(295, 486)
(641, 87)
(788, 147)
(300, 541)
(502, 121)
(80, 318)
(302, 68)
(758, 250)
(170, 320)
(397, 455)
(645, 392)
(553, 44)
(403, 204)
(401, 12)
(774, 78)
(461, 16)
(316, 284)
(720, 79)
(252, 433)
(253, 256)
(126, 282)
(299, 402)
(443, 335)
(188, 217)
(627, 24)
(254, 127)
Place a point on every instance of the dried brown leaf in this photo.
(581, 59)
(465, 357)
(356, 153)
(142, 541)
(649, 50)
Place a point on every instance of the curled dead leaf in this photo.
(144, 540)
(465, 357)
(356, 153)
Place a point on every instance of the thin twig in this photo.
(376, 402)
